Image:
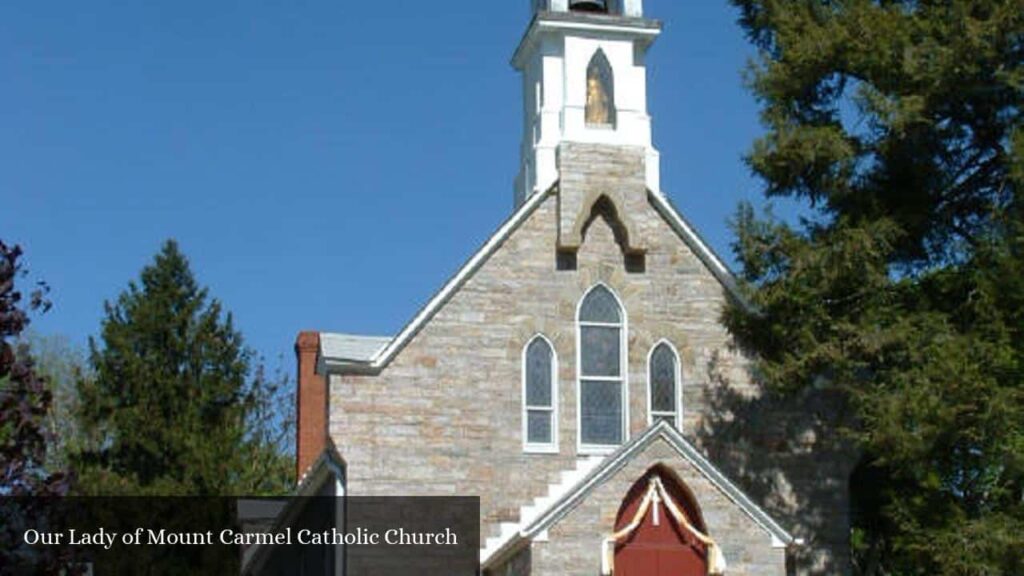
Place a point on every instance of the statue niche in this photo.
(600, 110)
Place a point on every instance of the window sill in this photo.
(596, 450)
(540, 449)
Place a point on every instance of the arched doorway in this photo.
(657, 544)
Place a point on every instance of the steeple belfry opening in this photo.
(599, 6)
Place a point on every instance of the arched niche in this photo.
(600, 105)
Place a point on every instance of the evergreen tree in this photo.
(174, 405)
(899, 124)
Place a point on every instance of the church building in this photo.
(574, 373)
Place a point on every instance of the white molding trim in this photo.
(679, 383)
(593, 27)
(692, 239)
(646, 30)
(329, 468)
(427, 312)
(594, 449)
(552, 446)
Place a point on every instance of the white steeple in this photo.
(584, 80)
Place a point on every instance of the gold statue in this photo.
(598, 107)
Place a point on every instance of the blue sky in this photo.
(325, 165)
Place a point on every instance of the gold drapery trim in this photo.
(656, 493)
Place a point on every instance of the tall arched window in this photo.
(600, 106)
(663, 394)
(602, 371)
(540, 396)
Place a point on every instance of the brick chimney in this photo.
(310, 404)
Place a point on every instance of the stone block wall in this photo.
(444, 417)
(590, 171)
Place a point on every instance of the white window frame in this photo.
(599, 449)
(537, 447)
(678, 415)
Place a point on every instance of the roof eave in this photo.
(345, 366)
(329, 465)
(700, 247)
(481, 256)
(644, 28)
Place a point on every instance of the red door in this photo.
(659, 546)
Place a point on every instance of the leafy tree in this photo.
(24, 398)
(62, 365)
(24, 407)
(899, 124)
(176, 406)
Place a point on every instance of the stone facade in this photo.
(444, 416)
(595, 170)
(573, 547)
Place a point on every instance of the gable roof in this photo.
(696, 242)
(562, 506)
(341, 351)
(329, 467)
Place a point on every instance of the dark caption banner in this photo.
(354, 536)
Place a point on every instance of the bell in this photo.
(589, 5)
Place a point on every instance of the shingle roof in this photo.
(350, 347)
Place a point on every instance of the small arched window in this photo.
(540, 396)
(663, 398)
(602, 372)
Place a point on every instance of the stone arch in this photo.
(602, 206)
(603, 211)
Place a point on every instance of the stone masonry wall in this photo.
(444, 417)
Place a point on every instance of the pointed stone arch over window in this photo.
(602, 411)
(600, 109)
(664, 394)
(603, 208)
(577, 211)
(540, 396)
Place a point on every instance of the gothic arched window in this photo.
(663, 396)
(540, 396)
(602, 370)
(600, 109)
